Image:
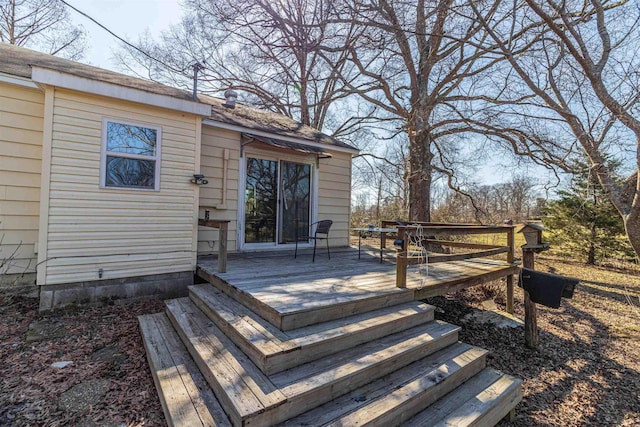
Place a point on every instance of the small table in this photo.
(383, 234)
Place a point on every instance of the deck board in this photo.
(292, 293)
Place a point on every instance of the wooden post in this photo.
(401, 260)
(530, 311)
(510, 258)
(223, 228)
(222, 253)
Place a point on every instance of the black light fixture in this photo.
(198, 179)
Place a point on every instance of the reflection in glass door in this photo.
(295, 185)
(261, 201)
(277, 201)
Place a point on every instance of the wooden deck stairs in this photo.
(215, 361)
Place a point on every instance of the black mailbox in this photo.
(546, 288)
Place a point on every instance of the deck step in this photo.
(252, 398)
(184, 394)
(484, 400)
(292, 303)
(394, 398)
(273, 350)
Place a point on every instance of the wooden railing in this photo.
(431, 231)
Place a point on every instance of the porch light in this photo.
(198, 179)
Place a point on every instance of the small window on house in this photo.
(130, 155)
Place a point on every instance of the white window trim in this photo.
(103, 155)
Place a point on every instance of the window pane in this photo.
(130, 139)
(122, 172)
(261, 201)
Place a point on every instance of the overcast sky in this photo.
(126, 18)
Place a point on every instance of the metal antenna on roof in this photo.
(197, 67)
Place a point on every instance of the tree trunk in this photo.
(591, 254)
(420, 158)
(632, 226)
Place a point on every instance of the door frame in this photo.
(253, 152)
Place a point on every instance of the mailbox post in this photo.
(533, 236)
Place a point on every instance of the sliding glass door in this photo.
(277, 201)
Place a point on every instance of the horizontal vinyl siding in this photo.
(214, 141)
(125, 233)
(21, 125)
(334, 198)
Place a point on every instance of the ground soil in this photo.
(586, 371)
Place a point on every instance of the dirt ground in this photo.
(586, 371)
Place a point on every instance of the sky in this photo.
(126, 18)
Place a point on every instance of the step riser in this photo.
(299, 355)
(290, 321)
(339, 311)
(484, 400)
(402, 413)
(329, 347)
(498, 412)
(261, 309)
(319, 396)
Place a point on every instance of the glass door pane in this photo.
(261, 201)
(295, 188)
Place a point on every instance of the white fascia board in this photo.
(16, 80)
(81, 84)
(302, 141)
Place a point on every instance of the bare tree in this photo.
(580, 70)
(268, 50)
(43, 25)
(424, 65)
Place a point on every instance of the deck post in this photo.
(222, 253)
(510, 259)
(223, 229)
(401, 260)
(530, 310)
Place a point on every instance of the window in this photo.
(130, 155)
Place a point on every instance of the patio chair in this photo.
(322, 227)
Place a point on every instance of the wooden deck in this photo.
(283, 341)
(291, 293)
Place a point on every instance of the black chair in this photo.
(322, 227)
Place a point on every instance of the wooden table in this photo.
(383, 235)
(223, 226)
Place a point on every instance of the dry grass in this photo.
(587, 369)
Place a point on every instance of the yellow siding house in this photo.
(98, 194)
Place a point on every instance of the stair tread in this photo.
(483, 400)
(247, 392)
(274, 350)
(357, 357)
(185, 395)
(397, 396)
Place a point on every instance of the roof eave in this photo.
(69, 81)
(303, 141)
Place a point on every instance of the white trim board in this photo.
(20, 81)
(302, 141)
(68, 81)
